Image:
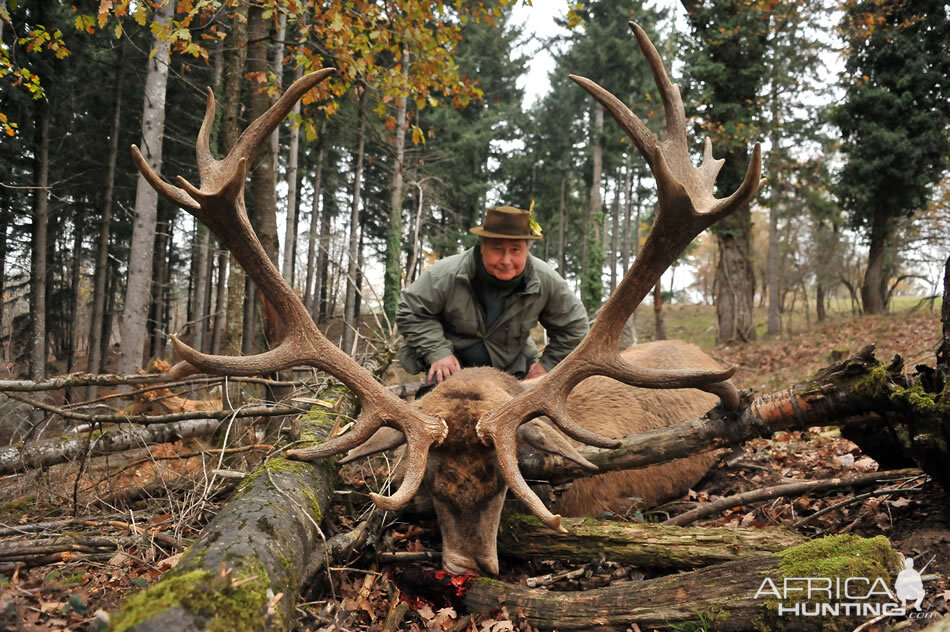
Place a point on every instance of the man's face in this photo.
(504, 259)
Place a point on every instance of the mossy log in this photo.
(644, 545)
(246, 568)
(912, 405)
(718, 597)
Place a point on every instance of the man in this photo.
(477, 308)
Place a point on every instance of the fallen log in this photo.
(246, 568)
(643, 545)
(36, 454)
(732, 596)
(839, 393)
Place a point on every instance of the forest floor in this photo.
(117, 548)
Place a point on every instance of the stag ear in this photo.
(541, 434)
(385, 438)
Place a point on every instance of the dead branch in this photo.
(92, 379)
(787, 489)
(835, 395)
(38, 454)
(247, 411)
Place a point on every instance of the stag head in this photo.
(462, 439)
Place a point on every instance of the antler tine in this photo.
(669, 91)
(219, 204)
(687, 206)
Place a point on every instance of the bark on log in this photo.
(846, 391)
(643, 545)
(246, 568)
(723, 594)
(36, 454)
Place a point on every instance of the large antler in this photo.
(219, 204)
(686, 208)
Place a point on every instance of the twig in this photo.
(406, 557)
(856, 499)
(550, 578)
(787, 489)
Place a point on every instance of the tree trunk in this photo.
(943, 352)
(96, 318)
(309, 292)
(872, 292)
(591, 288)
(350, 324)
(735, 280)
(139, 278)
(4, 223)
(561, 227)
(259, 542)
(75, 294)
(660, 329)
(774, 325)
(38, 261)
(627, 248)
(392, 278)
(640, 544)
(200, 310)
(293, 156)
(220, 303)
(614, 238)
(820, 300)
(322, 283)
(685, 600)
(159, 270)
(233, 333)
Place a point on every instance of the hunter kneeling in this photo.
(477, 308)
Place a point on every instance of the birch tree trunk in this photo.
(309, 291)
(220, 303)
(96, 318)
(201, 282)
(392, 278)
(350, 324)
(139, 279)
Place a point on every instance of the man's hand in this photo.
(536, 370)
(441, 369)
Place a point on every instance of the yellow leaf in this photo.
(418, 136)
(118, 30)
(140, 16)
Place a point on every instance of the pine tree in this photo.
(894, 121)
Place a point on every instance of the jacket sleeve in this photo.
(565, 320)
(418, 316)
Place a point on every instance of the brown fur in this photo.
(613, 409)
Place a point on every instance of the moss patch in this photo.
(235, 604)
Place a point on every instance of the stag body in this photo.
(467, 486)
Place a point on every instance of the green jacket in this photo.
(439, 313)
